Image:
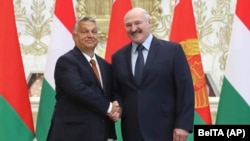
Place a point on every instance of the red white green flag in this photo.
(183, 31)
(61, 42)
(117, 37)
(16, 123)
(234, 104)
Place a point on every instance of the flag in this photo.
(117, 37)
(183, 31)
(61, 42)
(234, 103)
(16, 121)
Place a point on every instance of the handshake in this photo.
(116, 111)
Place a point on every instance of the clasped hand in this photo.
(116, 111)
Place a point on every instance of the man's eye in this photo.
(84, 32)
(87, 32)
(128, 25)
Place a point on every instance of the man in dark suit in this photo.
(83, 111)
(158, 102)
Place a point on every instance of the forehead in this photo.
(133, 16)
(87, 25)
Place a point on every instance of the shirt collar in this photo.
(146, 43)
(88, 57)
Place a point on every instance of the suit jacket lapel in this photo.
(102, 71)
(128, 63)
(154, 48)
(85, 63)
(80, 57)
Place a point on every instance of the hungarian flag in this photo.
(16, 123)
(117, 37)
(234, 104)
(183, 31)
(61, 42)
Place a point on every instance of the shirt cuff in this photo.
(110, 108)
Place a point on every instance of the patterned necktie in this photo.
(139, 65)
(93, 63)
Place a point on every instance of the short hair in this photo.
(145, 13)
(84, 19)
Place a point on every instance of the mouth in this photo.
(135, 32)
(90, 41)
(136, 35)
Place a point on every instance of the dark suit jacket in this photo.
(164, 100)
(81, 102)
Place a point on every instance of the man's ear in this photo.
(73, 35)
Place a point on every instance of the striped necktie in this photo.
(93, 63)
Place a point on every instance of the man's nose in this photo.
(133, 28)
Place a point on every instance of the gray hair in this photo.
(84, 19)
(145, 13)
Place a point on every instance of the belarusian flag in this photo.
(183, 30)
(234, 104)
(61, 42)
(16, 123)
(117, 37)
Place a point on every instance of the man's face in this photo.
(86, 37)
(137, 27)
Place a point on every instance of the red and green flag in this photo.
(117, 37)
(16, 123)
(183, 31)
(234, 103)
(61, 42)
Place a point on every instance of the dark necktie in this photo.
(93, 63)
(139, 65)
